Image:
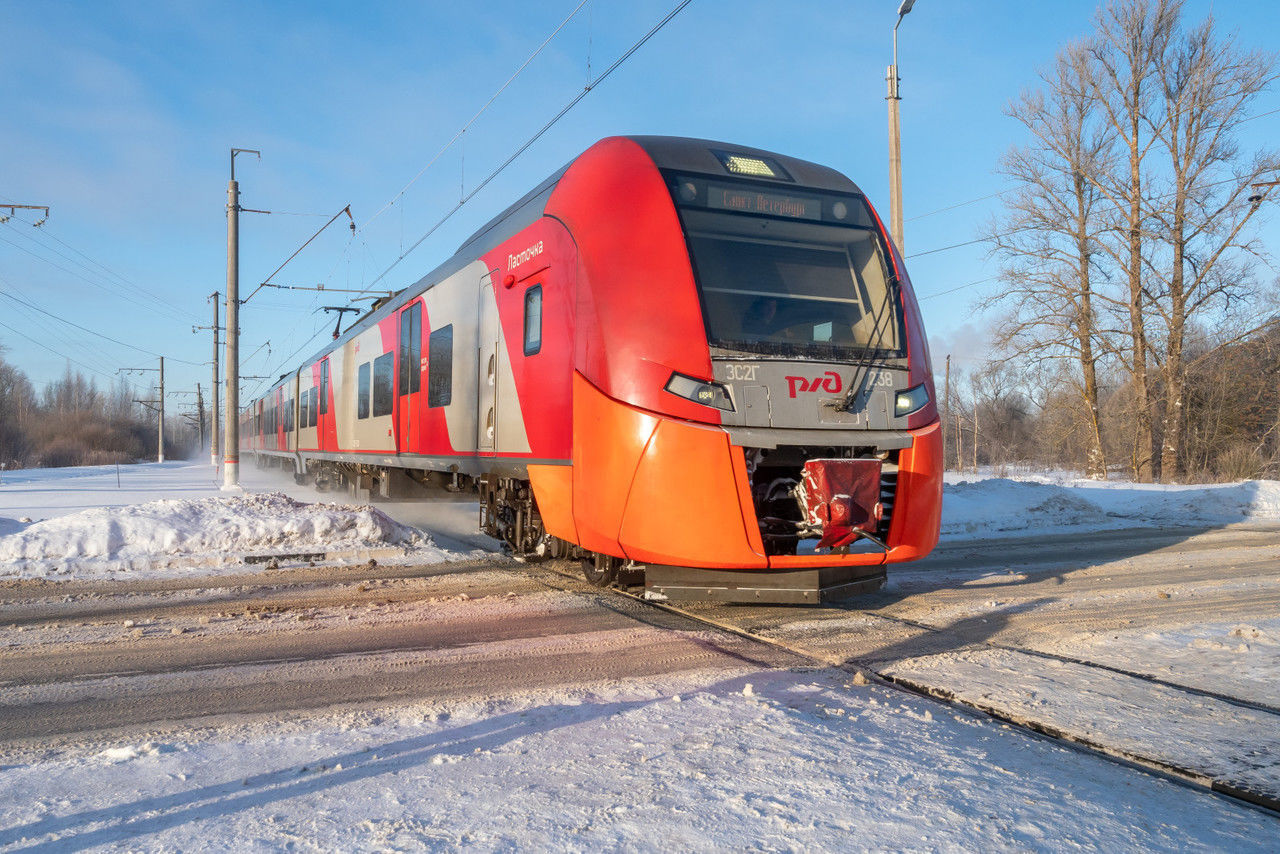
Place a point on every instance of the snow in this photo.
(1242, 658)
(1045, 503)
(102, 521)
(808, 759)
(164, 519)
(1221, 740)
(204, 531)
(804, 760)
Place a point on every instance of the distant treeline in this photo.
(74, 423)
(1008, 414)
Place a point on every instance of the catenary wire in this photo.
(46, 232)
(94, 332)
(525, 146)
(171, 313)
(479, 112)
(70, 359)
(531, 140)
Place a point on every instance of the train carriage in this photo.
(685, 357)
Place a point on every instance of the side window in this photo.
(304, 410)
(314, 399)
(533, 320)
(383, 376)
(362, 392)
(288, 415)
(411, 349)
(440, 367)
(324, 387)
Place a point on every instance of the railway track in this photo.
(134, 659)
(1244, 770)
(172, 637)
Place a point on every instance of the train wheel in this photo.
(601, 570)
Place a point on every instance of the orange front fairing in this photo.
(666, 491)
(654, 489)
(684, 502)
(918, 514)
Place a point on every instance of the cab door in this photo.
(409, 380)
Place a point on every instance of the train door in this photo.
(409, 380)
(490, 339)
(323, 416)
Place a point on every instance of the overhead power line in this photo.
(113, 291)
(35, 307)
(113, 274)
(590, 85)
(267, 281)
(59, 353)
(531, 140)
(479, 113)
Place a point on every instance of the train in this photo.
(698, 362)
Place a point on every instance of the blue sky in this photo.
(120, 116)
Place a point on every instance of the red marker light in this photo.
(509, 281)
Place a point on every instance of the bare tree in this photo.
(1131, 37)
(1049, 240)
(1207, 85)
(17, 399)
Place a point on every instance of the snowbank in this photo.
(991, 507)
(200, 531)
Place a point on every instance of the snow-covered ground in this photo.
(1047, 502)
(773, 759)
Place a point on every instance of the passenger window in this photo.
(362, 392)
(383, 377)
(440, 367)
(314, 399)
(288, 415)
(533, 320)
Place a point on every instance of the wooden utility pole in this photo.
(946, 409)
(975, 435)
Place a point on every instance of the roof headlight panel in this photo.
(748, 166)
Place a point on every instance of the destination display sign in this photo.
(748, 200)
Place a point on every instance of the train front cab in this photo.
(662, 479)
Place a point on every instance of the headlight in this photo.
(700, 391)
(911, 400)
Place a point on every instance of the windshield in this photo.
(799, 286)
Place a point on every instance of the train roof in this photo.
(676, 153)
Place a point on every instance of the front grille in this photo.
(888, 491)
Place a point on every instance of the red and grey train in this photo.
(688, 357)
